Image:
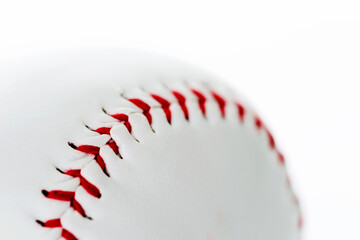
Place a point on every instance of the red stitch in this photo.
(102, 164)
(201, 100)
(241, 111)
(300, 222)
(89, 187)
(59, 195)
(67, 235)
(78, 208)
(271, 139)
(258, 122)
(56, 223)
(165, 105)
(220, 101)
(281, 158)
(103, 130)
(143, 106)
(89, 149)
(72, 172)
(182, 102)
(65, 196)
(112, 144)
(52, 223)
(124, 119)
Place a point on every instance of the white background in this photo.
(298, 62)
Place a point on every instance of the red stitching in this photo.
(201, 100)
(103, 130)
(221, 102)
(143, 106)
(271, 139)
(281, 158)
(56, 223)
(88, 149)
(300, 222)
(59, 195)
(165, 105)
(124, 119)
(89, 187)
(94, 150)
(111, 142)
(67, 235)
(241, 111)
(260, 126)
(78, 208)
(66, 196)
(76, 173)
(258, 122)
(182, 102)
(52, 223)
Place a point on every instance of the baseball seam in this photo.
(181, 100)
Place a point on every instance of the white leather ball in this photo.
(119, 145)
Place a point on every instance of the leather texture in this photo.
(211, 177)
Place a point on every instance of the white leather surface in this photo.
(207, 178)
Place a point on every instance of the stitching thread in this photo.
(70, 196)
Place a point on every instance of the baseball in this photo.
(119, 145)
